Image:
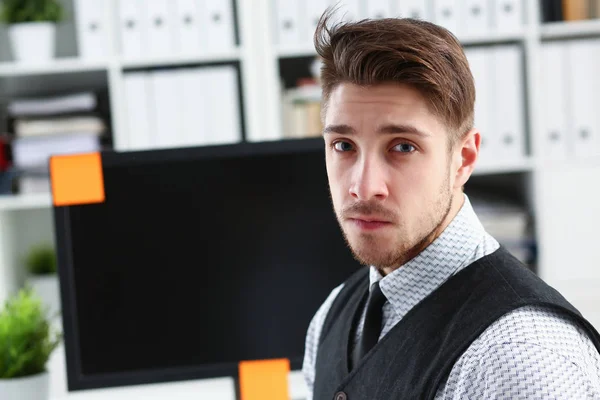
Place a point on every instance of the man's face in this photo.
(389, 169)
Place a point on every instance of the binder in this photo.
(187, 25)
(480, 63)
(298, 120)
(551, 10)
(553, 142)
(508, 15)
(159, 24)
(583, 66)
(446, 14)
(131, 29)
(195, 103)
(138, 95)
(509, 104)
(476, 18)
(576, 10)
(288, 23)
(223, 108)
(377, 9)
(219, 25)
(313, 118)
(91, 17)
(313, 11)
(417, 9)
(594, 10)
(165, 110)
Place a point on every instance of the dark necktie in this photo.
(372, 326)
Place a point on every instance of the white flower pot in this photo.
(33, 42)
(35, 387)
(47, 288)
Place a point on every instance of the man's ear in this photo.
(466, 152)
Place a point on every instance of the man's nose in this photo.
(369, 180)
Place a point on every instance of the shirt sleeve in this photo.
(312, 341)
(531, 353)
(524, 371)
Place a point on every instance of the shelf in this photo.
(25, 201)
(492, 38)
(226, 56)
(308, 50)
(295, 51)
(303, 93)
(57, 66)
(573, 29)
(76, 65)
(524, 165)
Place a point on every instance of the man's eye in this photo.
(342, 146)
(404, 148)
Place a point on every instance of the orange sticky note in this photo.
(77, 179)
(264, 379)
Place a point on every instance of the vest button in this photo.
(340, 396)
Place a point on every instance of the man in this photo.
(442, 311)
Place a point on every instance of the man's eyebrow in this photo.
(390, 128)
(341, 129)
(395, 128)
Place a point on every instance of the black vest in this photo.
(416, 356)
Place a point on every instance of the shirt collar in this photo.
(446, 255)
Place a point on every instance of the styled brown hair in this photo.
(418, 53)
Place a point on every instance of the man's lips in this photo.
(369, 222)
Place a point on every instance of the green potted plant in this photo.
(43, 279)
(26, 343)
(32, 27)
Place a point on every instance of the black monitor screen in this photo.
(197, 259)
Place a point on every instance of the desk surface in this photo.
(213, 389)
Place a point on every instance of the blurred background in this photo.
(133, 75)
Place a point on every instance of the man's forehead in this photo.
(386, 108)
(380, 100)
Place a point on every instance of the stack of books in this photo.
(42, 127)
(301, 107)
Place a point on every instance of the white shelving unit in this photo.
(494, 38)
(563, 196)
(575, 29)
(70, 72)
(182, 60)
(25, 202)
(59, 66)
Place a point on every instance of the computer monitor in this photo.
(197, 259)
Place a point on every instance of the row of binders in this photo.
(296, 20)
(154, 29)
(570, 94)
(569, 10)
(498, 72)
(182, 107)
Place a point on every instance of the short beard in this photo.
(401, 256)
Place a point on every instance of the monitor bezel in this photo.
(75, 379)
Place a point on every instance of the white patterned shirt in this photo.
(529, 353)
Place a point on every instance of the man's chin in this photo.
(379, 258)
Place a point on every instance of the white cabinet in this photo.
(568, 212)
